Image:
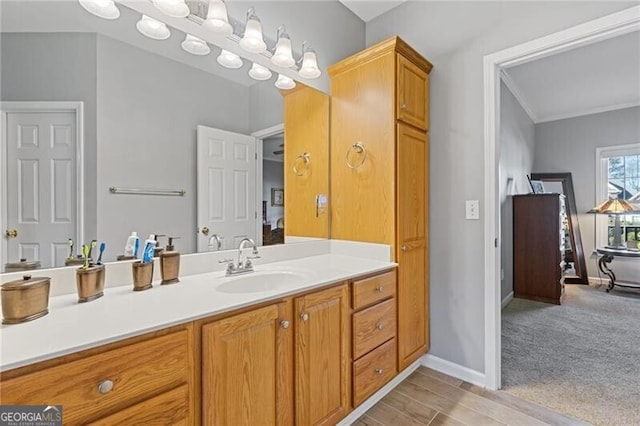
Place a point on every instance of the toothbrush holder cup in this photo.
(90, 283)
(142, 275)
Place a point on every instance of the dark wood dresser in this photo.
(539, 228)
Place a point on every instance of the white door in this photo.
(226, 187)
(41, 186)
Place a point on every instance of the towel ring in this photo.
(306, 163)
(358, 147)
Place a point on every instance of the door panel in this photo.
(226, 191)
(41, 182)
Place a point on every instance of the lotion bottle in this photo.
(149, 247)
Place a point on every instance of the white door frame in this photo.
(76, 107)
(600, 29)
(260, 135)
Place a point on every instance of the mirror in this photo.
(563, 184)
(142, 101)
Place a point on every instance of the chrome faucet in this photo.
(246, 266)
(217, 240)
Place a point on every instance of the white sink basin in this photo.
(259, 281)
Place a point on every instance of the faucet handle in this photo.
(225, 261)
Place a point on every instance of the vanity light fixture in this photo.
(252, 40)
(105, 9)
(309, 68)
(173, 8)
(218, 19)
(283, 57)
(195, 45)
(229, 60)
(153, 29)
(284, 82)
(260, 73)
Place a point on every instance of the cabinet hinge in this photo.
(495, 243)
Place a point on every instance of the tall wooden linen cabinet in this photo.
(379, 170)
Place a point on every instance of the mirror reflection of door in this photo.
(226, 206)
(272, 189)
(40, 198)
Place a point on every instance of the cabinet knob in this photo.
(379, 289)
(304, 317)
(380, 326)
(284, 324)
(404, 248)
(105, 386)
(403, 106)
(379, 371)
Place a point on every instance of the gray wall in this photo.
(148, 110)
(570, 146)
(517, 142)
(58, 67)
(273, 177)
(455, 36)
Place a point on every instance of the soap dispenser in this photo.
(170, 263)
(158, 250)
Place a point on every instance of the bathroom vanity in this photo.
(301, 341)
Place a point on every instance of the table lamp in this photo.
(616, 207)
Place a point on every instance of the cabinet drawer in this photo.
(373, 326)
(135, 371)
(373, 289)
(170, 408)
(373, 370)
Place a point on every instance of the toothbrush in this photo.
(70, 243)
(102, 247)
(92, 246)
(85, 252)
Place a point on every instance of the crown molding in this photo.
(513, 88)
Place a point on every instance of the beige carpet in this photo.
(581, 358)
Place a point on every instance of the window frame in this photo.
(602, 180)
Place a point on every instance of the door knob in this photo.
(11, 233)
(204, 230)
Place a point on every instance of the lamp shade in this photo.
(218, 18)
(309, 68)
(260, 73)
(613, 205)
(285, 83)
(195, 45)
(153, 29)
(283, 56)
(229, 60)
(173, 8)
(105, 9)
(252, 40)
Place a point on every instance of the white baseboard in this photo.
(455, 370)
(364, 407)
(507, 299)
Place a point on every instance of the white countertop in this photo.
(121, 313)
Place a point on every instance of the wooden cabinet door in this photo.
(322, 357)
(412, 104)
(412, 244)
(246, 365)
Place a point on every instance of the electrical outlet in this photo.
(472, 209)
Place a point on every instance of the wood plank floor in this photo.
(428, 397)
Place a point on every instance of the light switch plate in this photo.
(472, 209)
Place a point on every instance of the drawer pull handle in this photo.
(379, 289)
(284, 324)
(380, 326)
(379, 371)
(304, 317)
(105, 386)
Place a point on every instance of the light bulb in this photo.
(283, 56)
(309, 68)
(252, 40)
(152, 28)
(229, 60)
(173, 8)
(258, 72)
(195, 45)
(105, 9)
(285, 82)
(217, 18)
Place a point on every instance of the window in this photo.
(620, 176)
